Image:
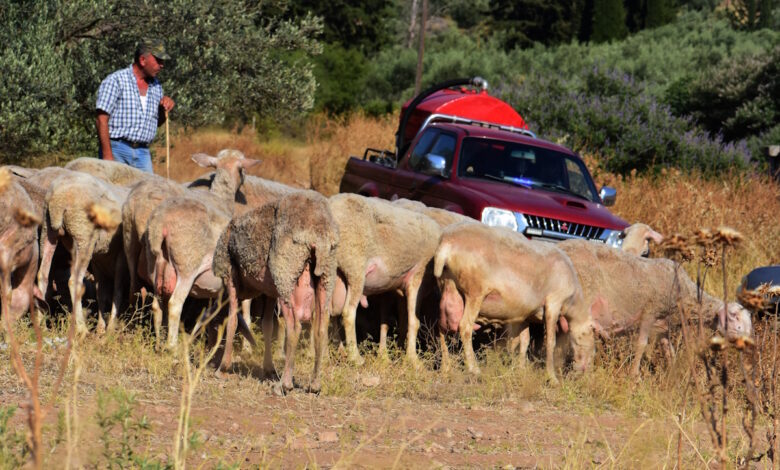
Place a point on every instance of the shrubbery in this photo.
(231, 60)
(611, 115)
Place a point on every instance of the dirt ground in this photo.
(373, 416)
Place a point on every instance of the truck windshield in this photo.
(525, 165)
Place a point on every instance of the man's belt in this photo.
(132, 144)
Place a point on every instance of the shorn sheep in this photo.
(625, 293)
(181, 235)
(382, 248)
(500, 275)
(18, 248)
(114, 172)
(283, 250)
(83, 213)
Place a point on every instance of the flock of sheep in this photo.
(312, 256)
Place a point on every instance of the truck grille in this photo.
(560, 229)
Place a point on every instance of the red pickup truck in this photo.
(471, 153)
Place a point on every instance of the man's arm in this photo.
(103, 138)
(166, 104)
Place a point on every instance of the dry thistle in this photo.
(727, 236)
(717, 343)
(703, 237)
(744, 342)
(752, 300)
(710, 256)
(677, 246)
(103, 217)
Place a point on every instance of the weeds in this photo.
(13, 446)
(120, 431)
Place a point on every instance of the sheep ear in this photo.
(204, 160)
(249, 162)
(654, 236)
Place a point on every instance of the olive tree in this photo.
(231, 60)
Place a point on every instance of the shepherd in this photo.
(131, 105)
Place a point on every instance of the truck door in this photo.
(411, 184)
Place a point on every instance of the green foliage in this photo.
(658, 13)
(341, 78)
(610, 115)
(609, 21)
(737, 98)
(526, 22)
(362, 25)
(13, 449)
(231, 60)
(120, 431)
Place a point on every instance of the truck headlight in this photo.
(495, 217)
(612, 238)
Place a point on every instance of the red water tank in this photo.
(469, 104)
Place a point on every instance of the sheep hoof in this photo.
(357, 359)
(278, 390)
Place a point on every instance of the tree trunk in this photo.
(421, 50)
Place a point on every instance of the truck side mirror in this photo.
(433, 165)
(608, 195)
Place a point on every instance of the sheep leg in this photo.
(48, 246)
(175, 305)
(292, 332)
(383, 327)
(645, 325)
(552, 311)
(466, 328)
(120, 273)
(132, 252)
(520, 337)
(232, 323)
(102, 303)
(413, 323)
(157, 316)
(267, 313)
(354, 292)
(78, 270)
(320, 328)
(246, 312)
(444, 366)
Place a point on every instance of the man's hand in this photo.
(167, 103)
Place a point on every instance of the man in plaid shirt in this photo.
(130, 107)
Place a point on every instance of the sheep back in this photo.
(304, 225)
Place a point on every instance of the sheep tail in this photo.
(440, 259)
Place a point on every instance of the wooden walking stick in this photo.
(167, 149)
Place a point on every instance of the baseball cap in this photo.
(154, 47)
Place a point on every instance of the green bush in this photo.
(737, 98)
(231, 60)
(610, 115)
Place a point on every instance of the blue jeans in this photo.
(138, 158)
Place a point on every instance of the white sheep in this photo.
(499, 275)
(83, 213)
(382, 248)
(637, 238)
(625, 292)
(111, 171)
(181, 235)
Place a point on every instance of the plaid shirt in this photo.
(119, 97)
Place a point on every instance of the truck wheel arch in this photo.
(368, 190)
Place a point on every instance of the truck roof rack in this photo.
(461, 120)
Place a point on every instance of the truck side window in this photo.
(577, 181)
(444, 147)
(422, 147)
